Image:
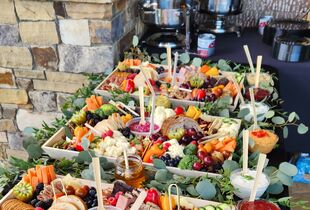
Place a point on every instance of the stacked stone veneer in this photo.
(43, 47)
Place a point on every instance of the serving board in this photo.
(58, 154)
(195, 201)
(175, 102)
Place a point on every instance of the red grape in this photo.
(197, 166)
(208, 161)
(201, 155)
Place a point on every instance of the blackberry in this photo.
(89, 115)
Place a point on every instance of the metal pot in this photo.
(279, 27)
(165, 13)
(221, 7)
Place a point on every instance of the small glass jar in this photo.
(134, 176)
(257, 205)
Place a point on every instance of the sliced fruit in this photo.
(34, 182)
(45, 174)
(51, 172)
(23, 191)
(39, 174)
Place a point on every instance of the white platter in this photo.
(195, 201)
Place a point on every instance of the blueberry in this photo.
(33, 202)
(168, 156)
(40, 204)
(92, 192)
(40, 186)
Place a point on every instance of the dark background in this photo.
(294, 79)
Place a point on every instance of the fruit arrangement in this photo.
(73, 194)
(187, 138)
(203, 85)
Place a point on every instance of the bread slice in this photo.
(77, 201)
(63, 206)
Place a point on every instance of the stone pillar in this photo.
(44, 48)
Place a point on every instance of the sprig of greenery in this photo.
(289, 202)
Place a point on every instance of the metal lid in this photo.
(293, 40)
(290, 24)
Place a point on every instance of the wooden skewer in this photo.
(174, 73)
(245, 148)
(141, 100)
(258, 68)
(169, 63)
(248, 55)
(254, 108)
(97, 176)
(153, 100)
(120, 109)
(139, 201)
(212, 137)
(238, 90)
(95, 131)
(259, 171)
(128, 108)
(186, 90)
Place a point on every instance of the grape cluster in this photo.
(169, 161)
(93, 118)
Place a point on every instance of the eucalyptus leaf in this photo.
(87, 174)
(159, 164)
(85, 143)
(197, 62)
(230, 165)
(163, 175)
(135, 41)
(157, 185)
(270, 170)
(192, 191)
(224, 113)
(276, 188)
(163, 56)
(285, 132)
(34, 151)
(85, 156)
(278, 120)
(164, 62)
(275, 96)
(285, 179)
(291, 117)
(243, 112)
(288, 169)
(206, 189)
(223, 65)
(68, 133)
(28, 131)
(269, 114)
(302, 128)
(185, 58)
(79, 102)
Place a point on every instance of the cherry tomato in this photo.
(85, 187)
(81, 192)
(70, 190)
(112, 201)
(79, 147)
(179, 110)
(260, 133)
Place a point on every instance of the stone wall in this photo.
(254, 9)
(44, 45)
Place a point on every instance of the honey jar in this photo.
(134, 175)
